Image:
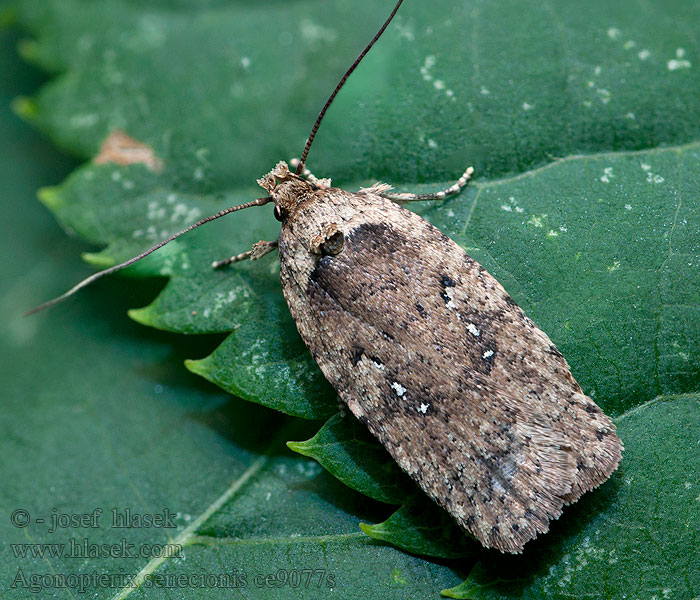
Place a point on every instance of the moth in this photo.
(427, 349)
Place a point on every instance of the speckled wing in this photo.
(426, 348)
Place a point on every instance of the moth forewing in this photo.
(427, 349)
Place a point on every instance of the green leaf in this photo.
(417, 527)
(349, 452)
(600, 246)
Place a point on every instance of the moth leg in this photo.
(259, 250)
(309, 176)
(460, 184)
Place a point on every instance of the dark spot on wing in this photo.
(421, 311)
(376, 237)
(446, 281)
(356, 354)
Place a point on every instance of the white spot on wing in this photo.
(474, 330)
(450, 293)
(424, 408)
(398, 388)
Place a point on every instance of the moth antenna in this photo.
(341, 83)
(88, 280)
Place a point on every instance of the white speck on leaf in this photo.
(315, 33)
(83, 121)
(675, 64)
(536, 221)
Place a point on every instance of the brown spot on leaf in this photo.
(121, 149)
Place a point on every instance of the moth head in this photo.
(287, 189)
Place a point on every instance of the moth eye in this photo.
(278, 213)
(333, 245)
